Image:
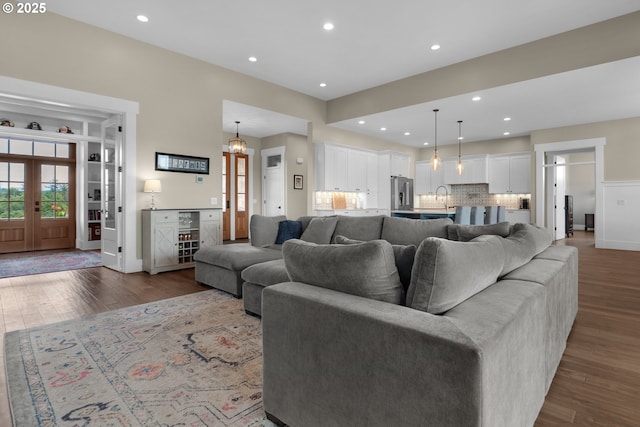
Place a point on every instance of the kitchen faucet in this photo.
(446, 197)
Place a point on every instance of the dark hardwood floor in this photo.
(597, 383)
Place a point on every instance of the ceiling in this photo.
(370, 46)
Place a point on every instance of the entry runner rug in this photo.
(37, 264)
(194, 360)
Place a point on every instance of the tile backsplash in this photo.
(471, 195)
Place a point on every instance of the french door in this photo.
(111, 194)
(235, 194)
(37, 204)
(242, 196)
(226, 196)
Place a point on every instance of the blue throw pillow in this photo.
(288, 230)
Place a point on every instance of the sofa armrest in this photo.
(336, 359)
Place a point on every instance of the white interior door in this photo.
(111, 194)
(273, 182)
(559, 193)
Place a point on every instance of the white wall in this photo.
(621, 228)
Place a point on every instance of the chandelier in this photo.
(237, 145)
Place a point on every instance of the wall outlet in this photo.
(214, 201)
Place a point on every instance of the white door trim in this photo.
(54, 95)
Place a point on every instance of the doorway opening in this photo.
(551, 171)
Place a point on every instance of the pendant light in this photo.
(435, 161)
(237, 145)
(460, 166)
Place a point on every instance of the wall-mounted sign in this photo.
(179, 163)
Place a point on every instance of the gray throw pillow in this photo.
(320, 230)
(524, 242)
(366, 269)
(467, 233)
(446, 273)
(403, 255)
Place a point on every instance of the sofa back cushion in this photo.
(320, 230)
(524, 242)
(403, 255)
(264, 229)
(407, 231)
(363, 228)
(446, 273)
(365, 269)
(465, 232)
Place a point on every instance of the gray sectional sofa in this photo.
(409, 322)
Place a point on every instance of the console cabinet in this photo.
(170, 238)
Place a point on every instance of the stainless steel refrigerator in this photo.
(401, 193)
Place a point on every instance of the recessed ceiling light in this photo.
(323, 85)
(476, 98)
(253, 59)
(142, 18)
(506, 119)
(361, 122)
(425, 143)
(507, 133)
(435, 46)
(383, 129)
(407, 133)
(328, 26)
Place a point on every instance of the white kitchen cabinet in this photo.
(170, 238)
(331, 167)
(356, 171)
(400, 164)
(372, 179)
(518, 215)
(427, 180)
(520, 174)
(474, 172)
(510, 174)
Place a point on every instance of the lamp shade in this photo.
(152, 186)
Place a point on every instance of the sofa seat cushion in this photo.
(403, 255)
(446, 273)
(465, 233)
(320, 230)
(365, 269)
(266, 273)
(407, 231)
(363, 228)
(237, 256)
(524, 242)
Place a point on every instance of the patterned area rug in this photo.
(194, 360)
(37, 264)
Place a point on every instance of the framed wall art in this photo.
(180, 163)
(297, 182)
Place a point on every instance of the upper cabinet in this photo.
(510, 174)
(475, 170)
(427, 180)
(400, 164)
(356, 170)
(340, 168)
(331, 167)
